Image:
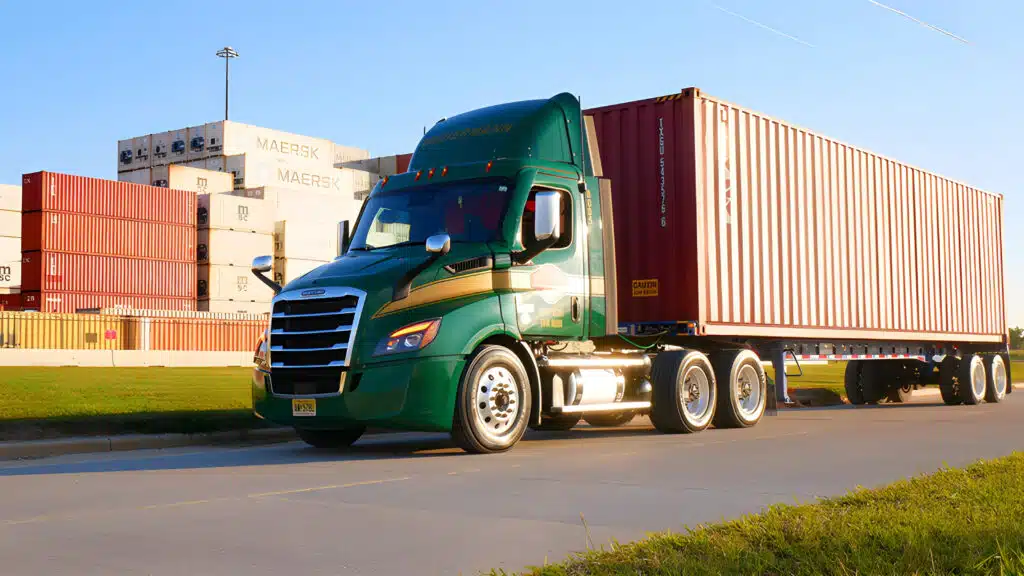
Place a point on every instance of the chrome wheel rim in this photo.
(498, 403)
(999, 376)
(695, 394)
(748, 392)
(978, 378)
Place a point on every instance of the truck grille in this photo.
(311, 339)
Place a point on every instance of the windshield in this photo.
(466, 211)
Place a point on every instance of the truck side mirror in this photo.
(343, 237)
(439, 244)
(260, 266)
(548, 217)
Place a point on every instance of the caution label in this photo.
(645, 288)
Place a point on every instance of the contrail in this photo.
(768, 28)
(908, 16)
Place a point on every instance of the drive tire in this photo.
(492, 406)
(671, 372)
(610, 419)
(973, 379)
(742, 389)
(996, 379)
(557, 423)
(949, 385)
(852, 383)
(330, 439)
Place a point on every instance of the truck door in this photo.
(554, 306)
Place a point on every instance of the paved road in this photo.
(412, 504)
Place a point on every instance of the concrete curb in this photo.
(65, 446)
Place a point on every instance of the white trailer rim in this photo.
(748, 392)
(999, 376)
(978, 377)
(695, 394)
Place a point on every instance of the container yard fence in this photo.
(196, 332)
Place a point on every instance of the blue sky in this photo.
(75, 78)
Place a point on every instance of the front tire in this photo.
(330, 439)
(684, 395)
(493, 403)
(995, 387)
(742, 389)
(972, 379)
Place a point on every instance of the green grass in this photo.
(956, 521)
(46, 402)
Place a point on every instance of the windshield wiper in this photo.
(365, 248)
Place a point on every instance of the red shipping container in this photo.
(69, 302)
(103, 236)
(60, 271)
(402, 162)
(10, 301)
(52, 192)
(777, 231)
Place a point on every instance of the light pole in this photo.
(227, 53)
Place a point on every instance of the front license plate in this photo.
(304, 407)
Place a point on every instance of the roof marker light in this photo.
(444, 171)
(430, 174)
(418, 174)
(489, 164)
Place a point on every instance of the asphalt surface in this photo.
(413, 504)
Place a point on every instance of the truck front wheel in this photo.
(493, 404)
(326, 439)
(684, 394)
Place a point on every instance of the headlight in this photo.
(262, 356)
(409, 338)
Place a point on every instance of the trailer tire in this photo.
(494, 391)
(679, 372)
(852, 383)
(557, 423)
(900, 393)
(973, 379)
(949, 386)
(901, 389)
(610, 419)
(330, 439)
(742, 389)
(875, 377)
(996, 384)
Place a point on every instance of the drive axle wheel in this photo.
(326, 439)
(685, 394)
(742, 389)
(493, 403)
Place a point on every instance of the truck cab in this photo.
(476, 295)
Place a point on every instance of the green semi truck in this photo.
(488, 289)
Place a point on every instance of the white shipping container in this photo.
(292, 205)
(272, 145)
(305, 240)
(161, 148)
(234, 306)
(10, 276)
(231, 247)
(10, 197)
(185, 177)
(140, 152)
(230, 212)
(216, 163)
(343, 154)
(196, 143)
(288, 269)
(10, 224)
(143, 176)
(255, 171)
(231, 283)
(215, 138)
(10, 249)
(179, 145)
(125, 155)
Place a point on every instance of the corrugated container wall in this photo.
(231, 247)
(230, 212)
(59, 301)
(778, 231)
(52, 192)
(107, 275)
(102, 236)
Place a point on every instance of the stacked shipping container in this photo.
(232, 231)
(90, 243)
(10, 246)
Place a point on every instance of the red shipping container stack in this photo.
(89, 242)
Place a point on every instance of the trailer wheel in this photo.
(972, 379)
(610, 419)
(901, 389)
(995, 387)
(852, 382)
(493, 402)
(900, 392)
(557, 423)
(742, 389)
(949, 385)
(875, 377)
(326, 439)
(684, 394)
